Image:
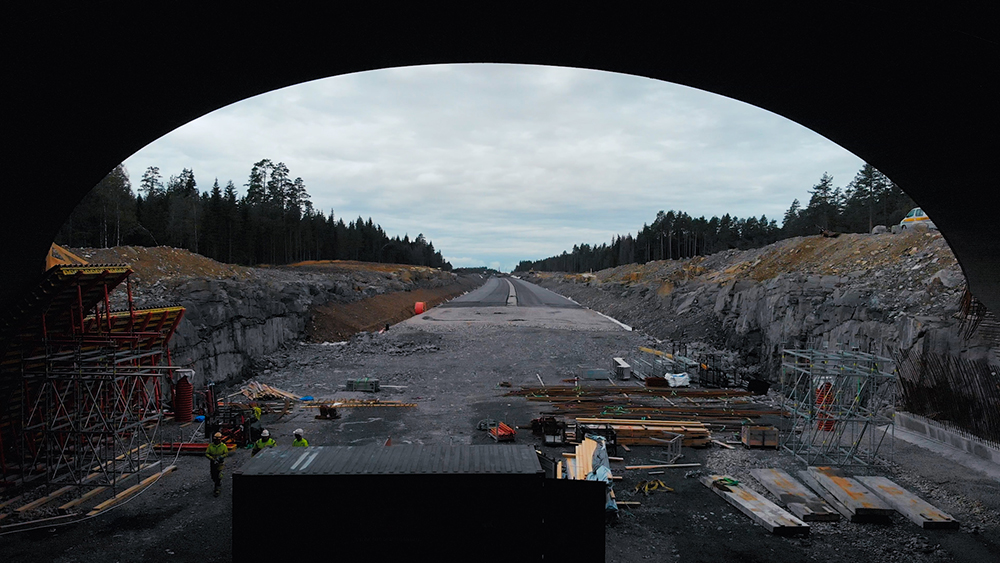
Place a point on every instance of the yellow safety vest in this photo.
(301, 443)
(217, 452)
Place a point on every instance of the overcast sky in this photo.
(501, 163)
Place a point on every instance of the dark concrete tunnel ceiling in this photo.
(908, 89)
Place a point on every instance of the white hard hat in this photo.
(265, 434)
(298, 432)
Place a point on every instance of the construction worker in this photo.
(216, 453)
(299, 440)
(265, 441)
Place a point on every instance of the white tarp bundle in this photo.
(677, 379)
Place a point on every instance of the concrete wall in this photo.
(955, 438)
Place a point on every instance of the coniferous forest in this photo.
(273, 222)
(870, 199)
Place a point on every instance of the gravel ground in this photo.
(456, 374)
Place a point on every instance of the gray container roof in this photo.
(494, 459)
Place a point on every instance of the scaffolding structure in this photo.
(81, 384)
(840, 406)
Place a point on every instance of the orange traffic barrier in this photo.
(419, 308)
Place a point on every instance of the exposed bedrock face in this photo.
(758, 319)
(228, 323)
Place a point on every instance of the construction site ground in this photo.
(457, 376)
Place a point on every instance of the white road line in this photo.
(512, 295)
(311, 458)
(303, 456)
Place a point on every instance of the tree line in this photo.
(870, 199)
(273, 222)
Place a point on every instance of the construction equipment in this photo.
(365, 384)
(233, 421)
(621, 369)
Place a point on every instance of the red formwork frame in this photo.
(90, 393)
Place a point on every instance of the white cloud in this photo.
(497, 163)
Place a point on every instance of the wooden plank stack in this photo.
(581, 461)
(762, 511)
(633, 432)
(916, 509)
(261, 392)
(798, 499)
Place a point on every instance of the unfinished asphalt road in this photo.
(453, 363)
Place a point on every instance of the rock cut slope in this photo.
(886, 293)
(236, 315)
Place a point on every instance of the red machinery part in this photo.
(184, 401)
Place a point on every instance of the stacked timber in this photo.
(261, 392)
(354, 403)
(634, 432)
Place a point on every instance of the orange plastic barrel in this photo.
(419, 308)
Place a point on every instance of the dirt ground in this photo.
(456, 375)
(336, 322)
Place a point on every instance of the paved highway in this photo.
(513, 302)
(510, 292)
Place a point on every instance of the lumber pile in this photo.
(354, 403)
(634, 432)
(722, 408)
(581, 461)
(262, 392)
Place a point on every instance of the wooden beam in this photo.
(96, 491)
(916, 509)
(850, 493)
(831, 500)
(663, 466)
(799, 500)
(762, 511)
(130, 491)
(11, 501)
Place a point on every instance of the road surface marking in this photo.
(512, 295)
